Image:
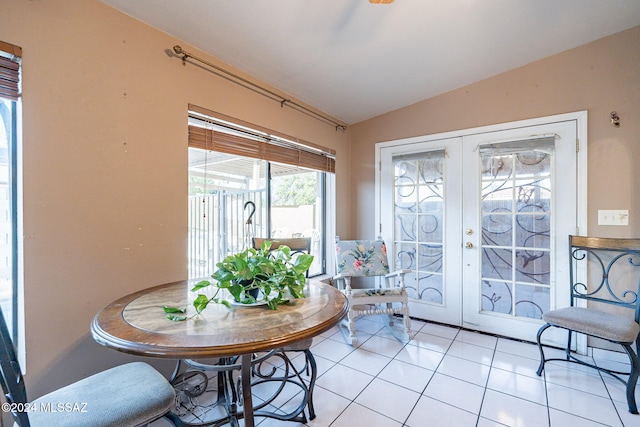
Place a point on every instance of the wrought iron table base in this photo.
(239, 405)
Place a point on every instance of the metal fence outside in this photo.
(217, 227)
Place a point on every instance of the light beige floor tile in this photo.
(357, 415)
(425, 358)
(386, 346)
(366, 361)
(331, 349)
(440, 330)
(588, 405)
(512, 411)
(431, 342)
(344, 381)
(471, 352)
(523, 349)
(563, 419)
(455, 392)
(521, 386)
(406, 375)
(434, 413)
(443, 377)
(516, 364)
(465, 370)
(388, 399)
(476, 338)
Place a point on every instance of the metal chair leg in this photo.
(542, 358)
(633, 378)
(312, 381)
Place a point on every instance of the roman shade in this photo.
(544, 144)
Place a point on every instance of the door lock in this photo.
(468, 245)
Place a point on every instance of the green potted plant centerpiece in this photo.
(265, 275)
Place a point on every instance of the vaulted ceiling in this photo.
(354, 60)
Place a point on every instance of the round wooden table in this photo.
(137, 324)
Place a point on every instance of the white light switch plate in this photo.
(613, 217)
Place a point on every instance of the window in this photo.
(9, 109)
(235, 167)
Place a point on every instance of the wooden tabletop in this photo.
(137, 324)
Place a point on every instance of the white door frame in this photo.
(580, 118)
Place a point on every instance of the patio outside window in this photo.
(289, 199)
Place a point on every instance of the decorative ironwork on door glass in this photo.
(418, 223)
(516, 213)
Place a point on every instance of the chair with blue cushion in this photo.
(133, 394)
(387, 296)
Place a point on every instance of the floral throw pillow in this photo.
(361, 258)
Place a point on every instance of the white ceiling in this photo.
(355, 60)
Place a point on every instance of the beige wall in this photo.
(600, 77)
(104, 137)
(105, 168)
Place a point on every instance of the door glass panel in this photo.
(532, 301)
(496, 263)
(530, 230)
(418, 223)
(516, 228)
(497, 296)
(431, 288)
(497, 227)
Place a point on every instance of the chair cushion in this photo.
(128, 395)
(380, 292)
(597, 323)
(359, 258)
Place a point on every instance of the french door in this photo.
(481, 219)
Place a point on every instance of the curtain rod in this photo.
(257, 88)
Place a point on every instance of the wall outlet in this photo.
(613, 217)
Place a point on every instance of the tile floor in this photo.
(449, 377)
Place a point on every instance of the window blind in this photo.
(10, 71)
(428, 155)
(544, 143)
(216, 132)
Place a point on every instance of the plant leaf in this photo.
(200, 303)
(236, 291)
(302, 263)
(294, 291)
(200, 285)
(224, 302)
(273, 304)
(248, 299)
(168, 309)
(176, 318)
(223, 275)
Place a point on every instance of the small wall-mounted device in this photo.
(615, 120)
